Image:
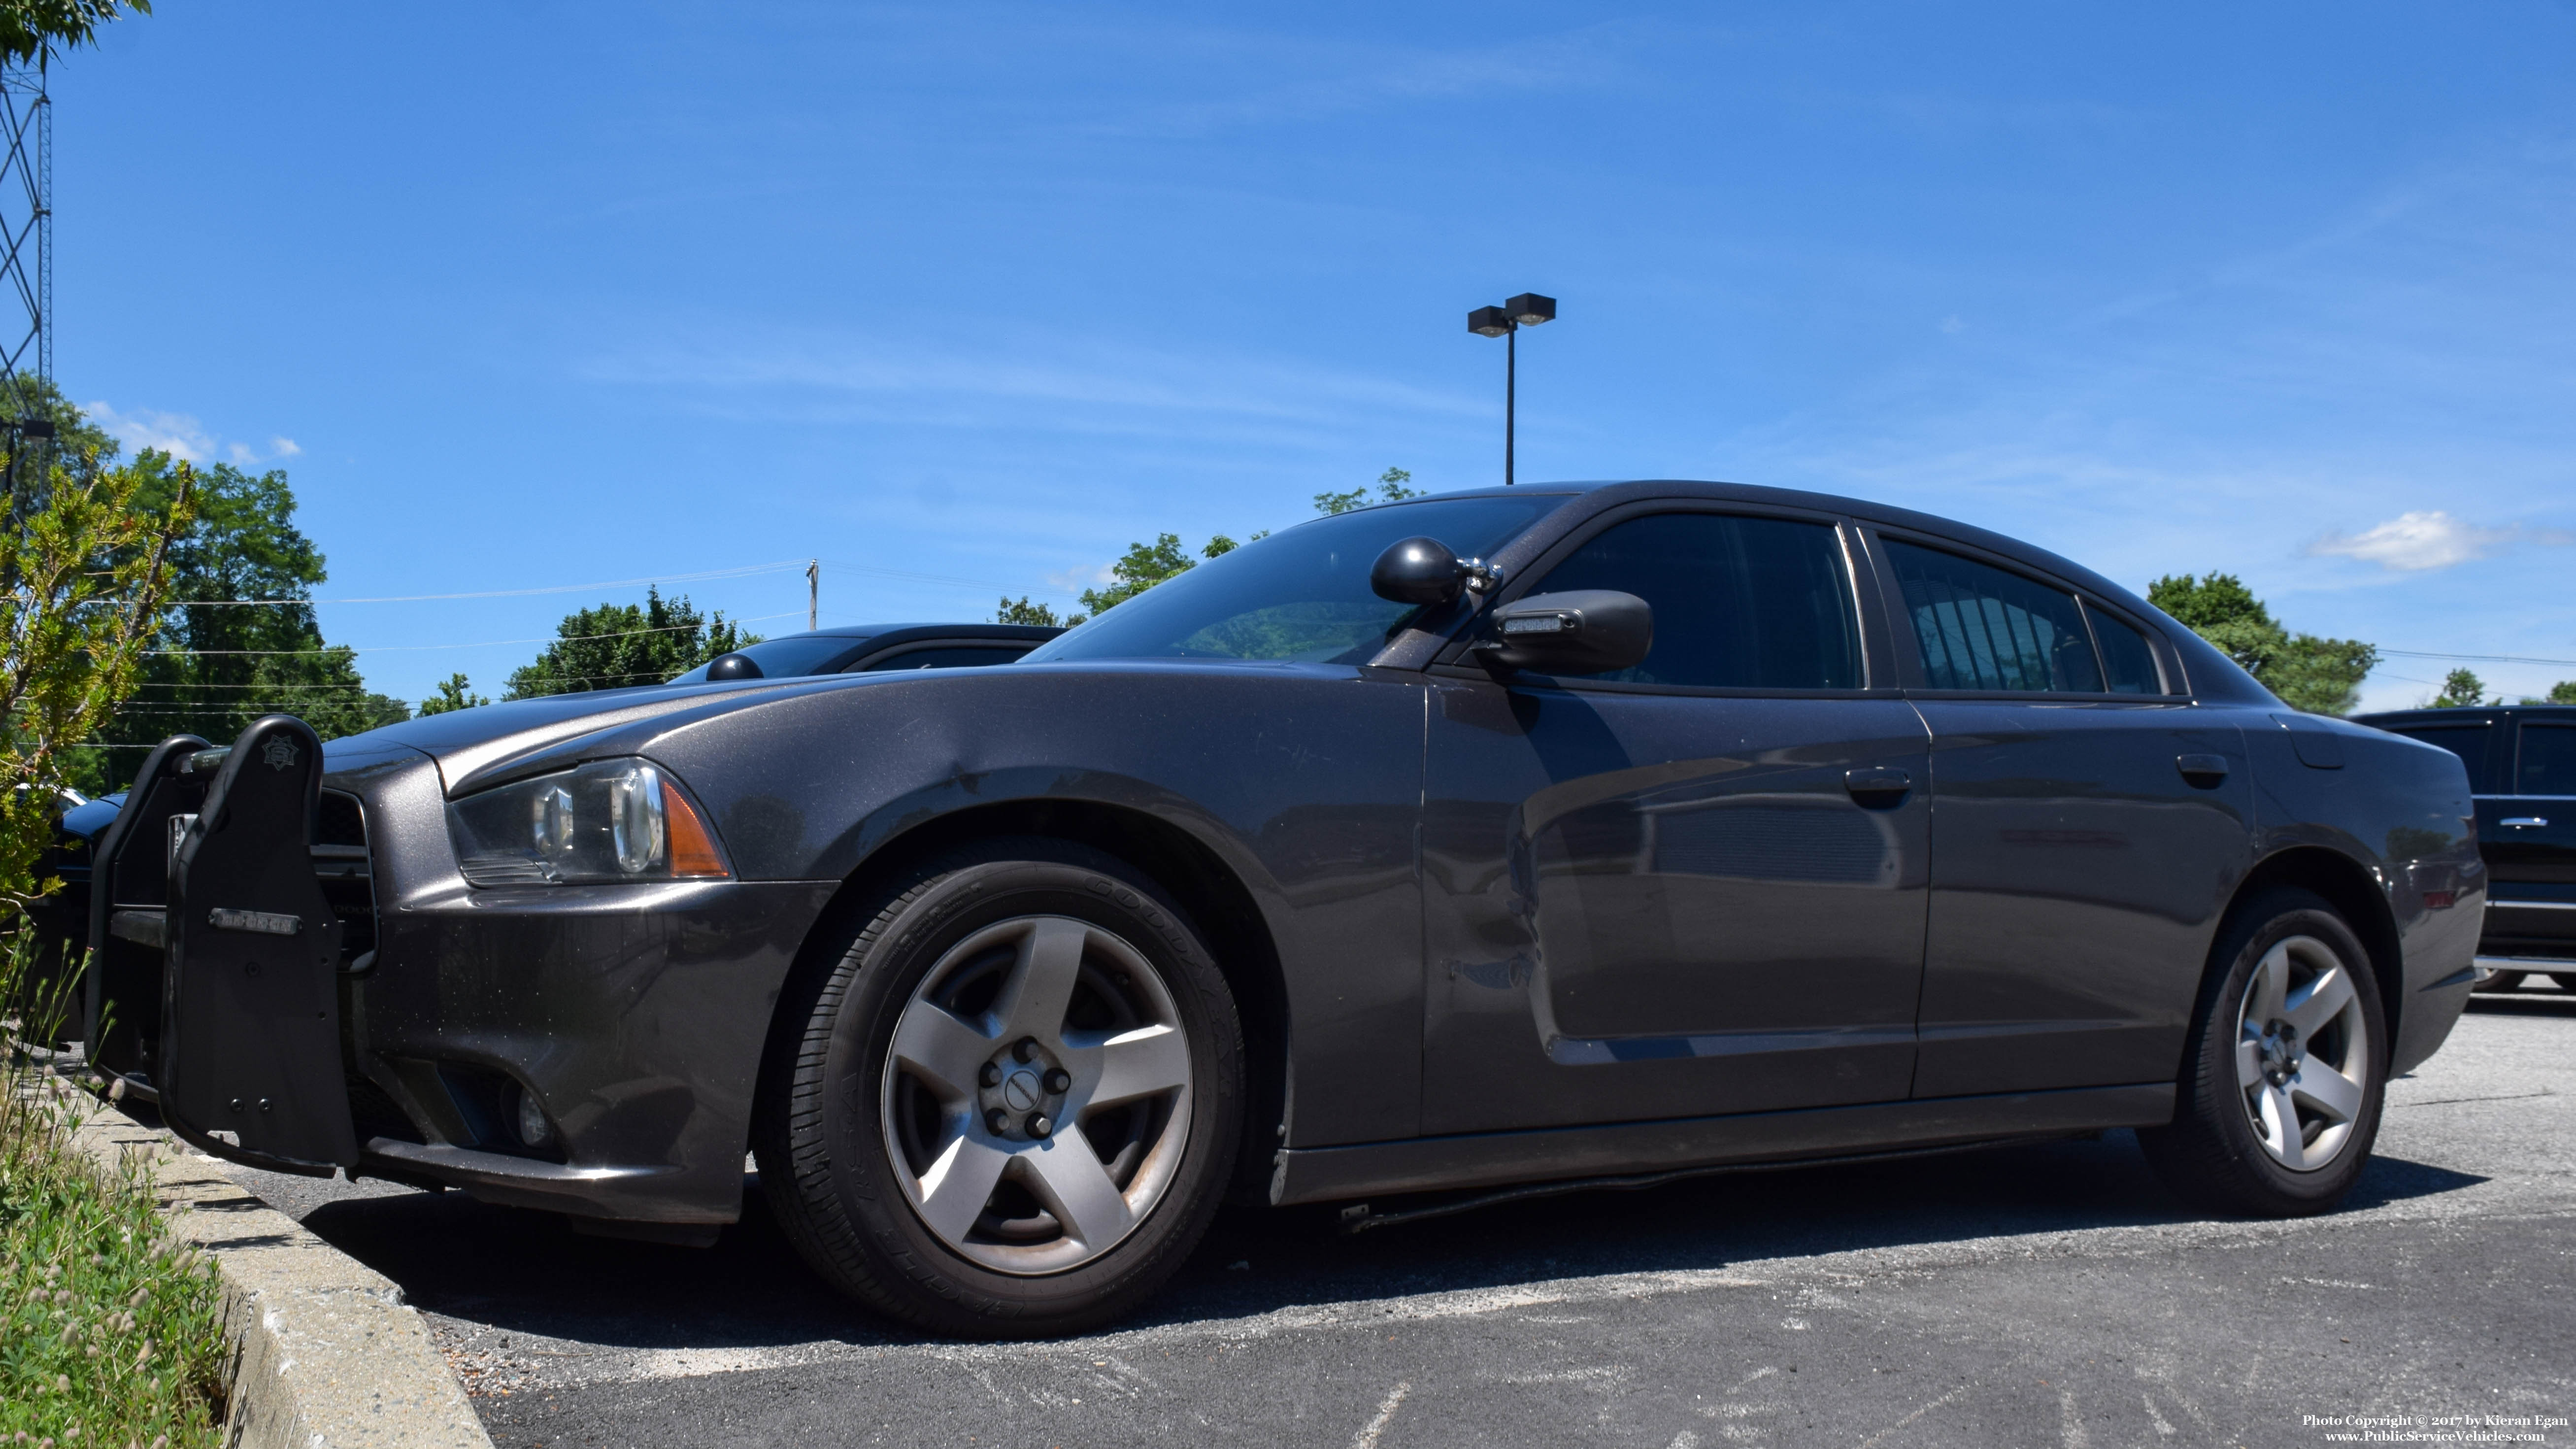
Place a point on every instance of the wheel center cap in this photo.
(2281, 1051)
(1021, 1090)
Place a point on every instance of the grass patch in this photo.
(110, 1333)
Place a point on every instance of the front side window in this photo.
(2548, 763)
(1740, 602)
(1984, 628)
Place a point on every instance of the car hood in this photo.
(464, 741)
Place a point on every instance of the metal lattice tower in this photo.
(26, 231)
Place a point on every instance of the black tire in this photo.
(829, 1171)
(2213, 1153)
(2563, 980)
(2502, 981)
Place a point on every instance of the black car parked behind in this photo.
(2522, 768)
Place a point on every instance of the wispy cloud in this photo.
(1057, 384)
(2434, 539)
(150, 429)
(181, 436)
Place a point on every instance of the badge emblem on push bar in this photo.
(264, 923)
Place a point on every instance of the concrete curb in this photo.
(325, 1353)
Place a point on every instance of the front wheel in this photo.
(1010, 1108)
(2501, 981)
(2282, 1078)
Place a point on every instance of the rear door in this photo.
(2529, 840)
(1690, 888)
(2088, 826)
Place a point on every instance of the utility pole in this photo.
(813, 594)
(26, 268)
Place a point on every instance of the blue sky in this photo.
(968, 296)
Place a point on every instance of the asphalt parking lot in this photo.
(2041, 1295)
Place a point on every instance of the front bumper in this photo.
(629, 1020)
(631, 1017)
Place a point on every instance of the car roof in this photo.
(2387, 717)
(1646, 489)
(904, 633)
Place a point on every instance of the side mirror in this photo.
(734, 666)
(1580, 631)
(1419, 571)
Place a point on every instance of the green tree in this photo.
(619, 646)
(2318, 675)
(33, 28)
(1390, 489)
(453, 694)
(1021, 611)
(2563, 692)
(86, 552)
(218, 663)
(2460, 688)
(1146, 565)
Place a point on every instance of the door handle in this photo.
(2523, 822)
(1877, 780)
(2202, 769)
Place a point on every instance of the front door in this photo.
(1692, 887)
(2087, 829)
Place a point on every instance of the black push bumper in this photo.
(219, 954)
(401, 1028)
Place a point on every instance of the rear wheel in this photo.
(2563, 980)
(1011, 1106)
(2280, 1092)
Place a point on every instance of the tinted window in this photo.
(2127, 662)
(788, 657)
(1752, 603)
(1303, 594)
(962, 656)
(1979, 627)
(2469, 742)
(2548, 765)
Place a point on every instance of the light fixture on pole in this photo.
(1506, 321)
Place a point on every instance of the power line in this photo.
(502, 593)
(2478, 658)
(485, 644)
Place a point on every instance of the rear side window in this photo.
(2468, 741)
(2548, 760)
(1980, 627)
(1744, 603)
(2127, 663)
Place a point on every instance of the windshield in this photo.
(787, 657)
(1301, 595)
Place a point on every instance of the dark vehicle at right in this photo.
(2522, 773)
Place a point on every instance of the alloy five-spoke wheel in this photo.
(2302, 1054)
(1037, 1095)
(1009, 1102)
(2283, 1071)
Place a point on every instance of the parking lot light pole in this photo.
(1506, 321)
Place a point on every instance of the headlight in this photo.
(609, 820)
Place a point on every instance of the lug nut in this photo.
(1040, 1125)
(1058, 1079)
(1026, 1049)
(998, 1121)
(991, 1075)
